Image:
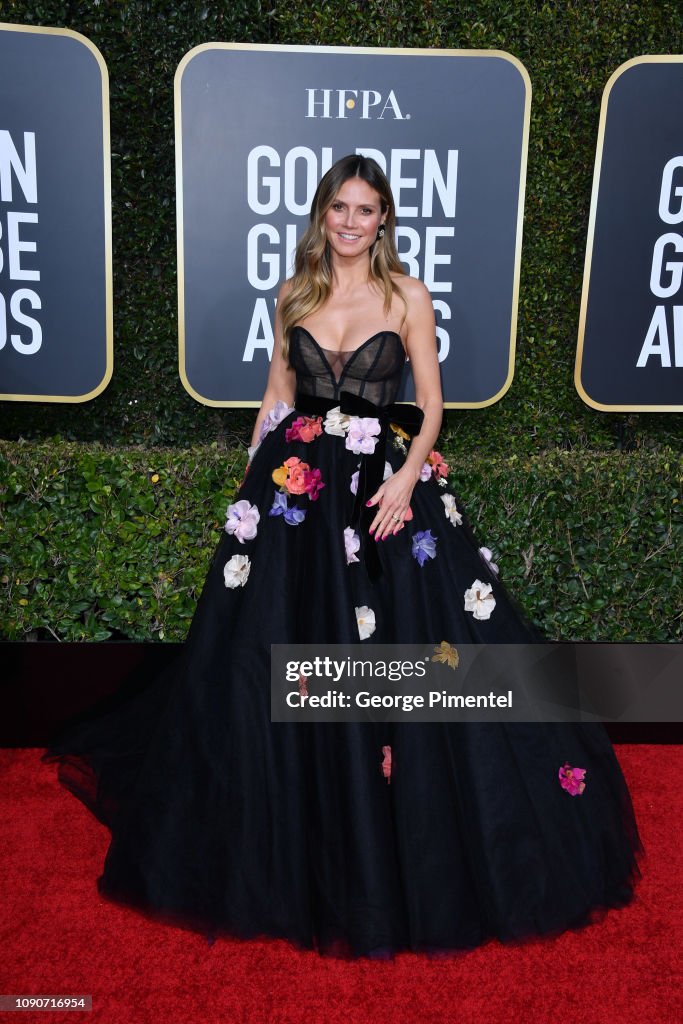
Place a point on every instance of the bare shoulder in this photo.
(420, 312)
(414, 290)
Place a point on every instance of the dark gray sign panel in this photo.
(55, 217)
(630, 346)
(257, 126)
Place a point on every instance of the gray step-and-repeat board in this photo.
(56, 335)
(257, 126)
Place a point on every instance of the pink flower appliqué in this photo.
(304, 428)
(571, 779)
(313, 483)
(386, 763)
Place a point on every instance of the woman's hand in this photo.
(393, 501)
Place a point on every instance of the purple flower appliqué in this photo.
(363, 433)
(388, 471)
(273, 417)
(351, 544)
(242, 520)
(424, 546)
(292, 516)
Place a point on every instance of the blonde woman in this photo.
(350, 838)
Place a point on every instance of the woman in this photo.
(355, 839)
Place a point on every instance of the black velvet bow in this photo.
(371, 471)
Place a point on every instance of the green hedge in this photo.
(570, 49)
(100, 542)
(582, 511)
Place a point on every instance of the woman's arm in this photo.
(395, 493)
(281, 383)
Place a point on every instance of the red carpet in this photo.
(59, 937)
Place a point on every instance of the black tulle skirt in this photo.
(230, 824)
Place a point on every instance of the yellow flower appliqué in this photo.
(446, 654)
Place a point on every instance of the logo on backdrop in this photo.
(55, 248)
(340, 103)
(449, 128)
(630, 347)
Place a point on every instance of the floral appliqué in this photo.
(479, 600)
(236, 571)
(385, 766)
(242, 521)
(351, 545)
(451, 509)
(272, 418)
(488, 556)
(571, 779)
(447, 654)
(435, 466)
(365, 617)
(292, 516)
(424, 546)
(304, 428)
(363, 434)
(336, 422)
(297, 477)
(400, 438)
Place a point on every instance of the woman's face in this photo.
(352, 220)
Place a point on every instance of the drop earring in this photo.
(380, 232)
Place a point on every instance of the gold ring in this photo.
(397, 518)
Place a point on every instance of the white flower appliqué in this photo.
(488, 555)
(236, 571)
(336, 422)
(479, 600)
(454, 517)
(365, 617)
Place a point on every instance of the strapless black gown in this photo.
(233, 825)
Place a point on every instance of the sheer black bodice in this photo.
(372, 371)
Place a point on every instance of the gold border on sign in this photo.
(106, 175)
(396, 51)
(578, 365)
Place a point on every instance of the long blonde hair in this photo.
(311, 282)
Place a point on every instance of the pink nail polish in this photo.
(368, 503)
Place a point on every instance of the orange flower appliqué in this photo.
(438, 464)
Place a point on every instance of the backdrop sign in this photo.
(257, 126)
(55, 221)
(630, 346)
